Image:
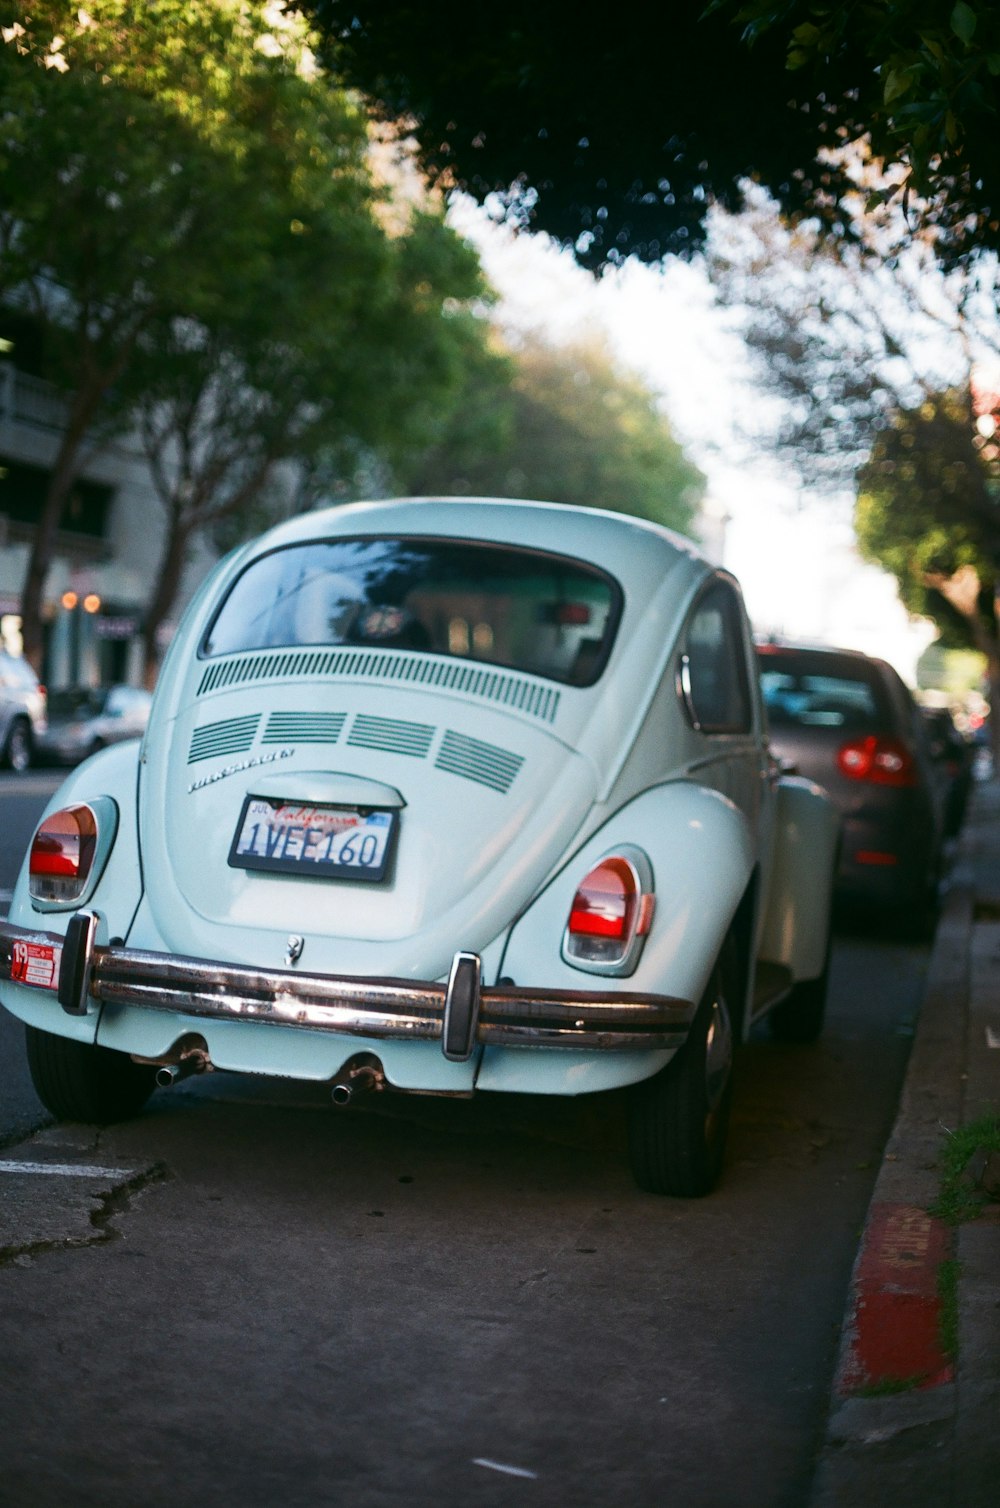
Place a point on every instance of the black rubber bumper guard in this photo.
(462, 1013)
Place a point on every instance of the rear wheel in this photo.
(678, 1119)
(17, 749)
(79, 1081)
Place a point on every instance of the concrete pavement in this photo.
(914, 1418)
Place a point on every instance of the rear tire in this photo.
(18, 748)
(79, 1081)
(678, 1119)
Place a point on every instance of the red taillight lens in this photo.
(605, 904)
(610, 910)
(880, 761)
(62, 854)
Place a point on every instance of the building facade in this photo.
(108, 548)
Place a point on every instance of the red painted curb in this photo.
(893, 1330)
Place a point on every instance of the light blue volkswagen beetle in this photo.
(443, 796)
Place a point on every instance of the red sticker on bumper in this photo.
(36, 964)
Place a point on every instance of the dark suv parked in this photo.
(22, 711)
(849, 722)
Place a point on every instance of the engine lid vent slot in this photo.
(233, 736)
(474, 759)
(391, 735)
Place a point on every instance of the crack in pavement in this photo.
(99, 1229)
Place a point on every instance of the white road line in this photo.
(66, 1169)
(508, 1471)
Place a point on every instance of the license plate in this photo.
(286, 837)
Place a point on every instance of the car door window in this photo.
(714, 673)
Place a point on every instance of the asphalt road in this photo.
(245, 1296)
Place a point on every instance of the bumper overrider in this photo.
(461, 1014)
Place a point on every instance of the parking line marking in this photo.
(66, 1169)
(508, 1471)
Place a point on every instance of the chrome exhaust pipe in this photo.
(172, 1073)
(360, 1075)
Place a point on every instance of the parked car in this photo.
(848, 721)
(84, 719)
(439, 796)
(22, 712)
(954, 756)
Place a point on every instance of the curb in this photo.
(906, 1420)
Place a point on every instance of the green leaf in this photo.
(897, 83)
(963, 22)
(993, 63)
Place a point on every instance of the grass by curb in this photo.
(961, 1198)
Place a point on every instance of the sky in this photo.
(793, 552)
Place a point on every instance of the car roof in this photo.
(823, 654)
(636, 551)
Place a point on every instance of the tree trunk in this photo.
(168, 582)
(962, 591)
(64, 474)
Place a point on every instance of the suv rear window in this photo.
(544, 614)
(809, 693)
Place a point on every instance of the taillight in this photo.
(611, 914)
(880, 761)
(67, 851)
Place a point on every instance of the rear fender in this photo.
(796, 920)
(114, 773)
(701, 850)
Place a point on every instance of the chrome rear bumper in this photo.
(461, 1014)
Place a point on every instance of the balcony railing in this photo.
(30, 400)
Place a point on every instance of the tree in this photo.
(303, 376)
(839, 335)
(614, 133)
(98, 233)
(881, 379)
(928, 510)
(189, 214)
(924, 84)
(126, 188)
(571, 428)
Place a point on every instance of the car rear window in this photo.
(814, 696)
(545, 614)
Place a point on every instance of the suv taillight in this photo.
(62, 855)
(610, 915)
(880, 761)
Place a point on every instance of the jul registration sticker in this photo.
(36, 963)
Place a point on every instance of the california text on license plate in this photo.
(289, 838)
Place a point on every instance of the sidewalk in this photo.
(909, 1423)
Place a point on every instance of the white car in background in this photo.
(85, 719)
(22, 712)
(445, 796)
